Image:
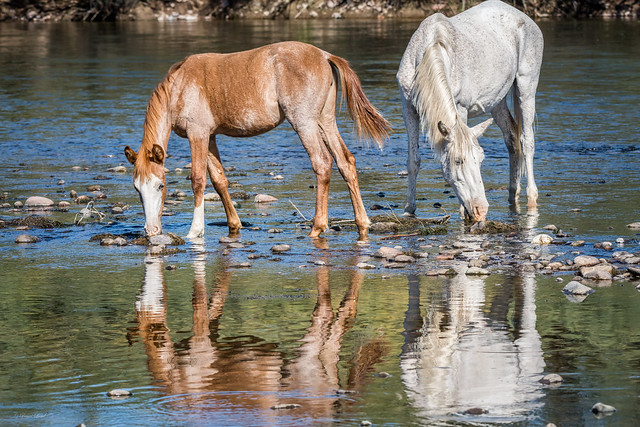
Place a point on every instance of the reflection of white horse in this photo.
(460, 67)
(458, 358)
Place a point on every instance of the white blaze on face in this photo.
(152, 196)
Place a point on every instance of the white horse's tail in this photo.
(517, 146)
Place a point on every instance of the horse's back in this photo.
(244, 93)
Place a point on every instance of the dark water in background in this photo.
(212, 344)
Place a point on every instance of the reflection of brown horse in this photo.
(200, 365)
(246, 94)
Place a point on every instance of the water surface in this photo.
(207, 343)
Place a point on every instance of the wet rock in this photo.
(603, 409)
(634, 225)
(585, 261)
(634, 271)
(171, 267)
(241, 265)
(119, 393)
(27, 238)
(477, 227)
(577, 243)
(274, 230)
(620, 241)
(117, 169)
(94, 187)
(550, 227)
(396, 265)
(366, 423)
(382, 375)
(286, 406)
(632, 260)
(38, 202)
(477, 271)
(404, 259)
(365, 266)
(264, 198)
(179, 194)
(82, 200)
(235, 245)
(607, 246)
(117, 210)
(576, 288)
(160, 239)
(211, 197)
(276, 249)
(475, 411)
(556, 265)
(598, 272)
(387, 253)
(551, 379)
(64, 205)
(542, 239)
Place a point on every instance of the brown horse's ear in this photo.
(157, 154)
(130, 154)
(444, 130)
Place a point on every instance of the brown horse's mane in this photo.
(157, 110)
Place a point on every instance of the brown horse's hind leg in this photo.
(321, 163)
(346, 163)
(221, 185)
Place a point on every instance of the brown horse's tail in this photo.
(369, 122)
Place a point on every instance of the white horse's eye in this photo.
(459, 162)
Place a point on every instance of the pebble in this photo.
(274, 230)
(577, 243)
(160, 239)
(117, 210)
(577, 288)
(276, 249)
(241, 265)
(264, 198)
(550, 227)
(387, 253)
(542, 239)
(365, 266)
(179, 194)
(94, 187)
(477, 271)
(211, 197)
(551, 379)
(27, 238)
(82, 200)
(404, 259)
(601, 408)
(634, 225)
(117, 169)
(18, 204)
(598, 272)
(64, 205)
(228, 239)
(119, 393)
(38, 202)
(475, 411)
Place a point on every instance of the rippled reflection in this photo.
(247, 372)
(473, 347)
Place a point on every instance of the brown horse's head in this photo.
(149, 181)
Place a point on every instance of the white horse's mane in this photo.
(433, 98)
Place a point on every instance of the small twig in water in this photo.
(298, 210)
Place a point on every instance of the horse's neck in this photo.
(157, 123)
(432, 93)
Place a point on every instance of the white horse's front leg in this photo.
(412, 124)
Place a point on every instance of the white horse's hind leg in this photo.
(412, 123)
(528, 149)
(507, 124)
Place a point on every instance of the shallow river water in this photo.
(199, 341)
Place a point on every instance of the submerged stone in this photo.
(27, 238)
(577, 288)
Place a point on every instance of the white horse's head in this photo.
(461, 158)
(149, 181)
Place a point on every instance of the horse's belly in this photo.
(251, 122)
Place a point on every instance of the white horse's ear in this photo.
(444, 130)
(479, 129)
(130, 154)
(157, 154)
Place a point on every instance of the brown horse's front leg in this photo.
(198, 184)
(221, 185)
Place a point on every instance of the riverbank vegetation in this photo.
(192, 10)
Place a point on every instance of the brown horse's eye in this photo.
(160, 187)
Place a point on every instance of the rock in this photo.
(179, 194)
(120, 241)
(119, 393)
(632, 260)
(387, 253)
(264, 198)
(477, 271)
(576, 288)
(18, 204)
(82, 200)
(550, 227)
(241, 265)
(211, 197)
(475, 411)
(366, 423)
(577, 243)
(477, 227)
(107, 241)
(585, 261)
(117, 169)
(365, 266)
(286, 406)
(551, 379)
(38, 202)
(404, 258)
(64, 205)
(160, 239)
(607, 246)
(235, 245)
(598, 272)
(117, 210)
(542, 239)
(601, 408)
(274, 230)
(228, 239)
(276, 249)
(94, 187)
(27, 238)
(634, 225)
(634, 271)
(556, 265)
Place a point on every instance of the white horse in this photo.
(460, 67)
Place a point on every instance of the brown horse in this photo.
(245, 94)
